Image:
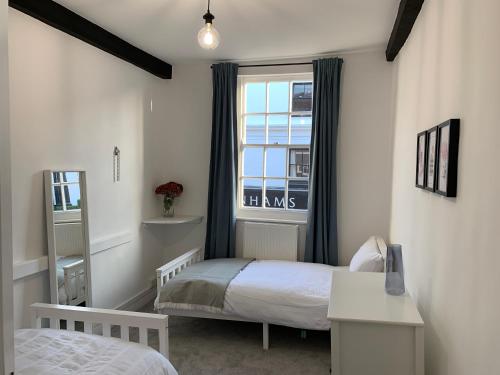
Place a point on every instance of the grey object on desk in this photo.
(394, 277)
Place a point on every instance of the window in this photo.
(275, 134)
(66, 191)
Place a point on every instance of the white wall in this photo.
(364, 150)
(449, 68)
(177, 148)
(70, 105)
(365, 141)
(6, 313)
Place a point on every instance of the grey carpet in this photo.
(206, 347)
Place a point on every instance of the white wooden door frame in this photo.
(6, 283)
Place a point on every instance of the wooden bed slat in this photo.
(87, 327)
(106, 330)
(143, 335)
(124, 333)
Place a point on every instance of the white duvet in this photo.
(293, 294)
(57, 352)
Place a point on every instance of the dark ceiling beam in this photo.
(407, 15)
(73, 24)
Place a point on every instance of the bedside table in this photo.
(373, 333)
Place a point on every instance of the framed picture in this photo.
(447, 161)
(431, 158)
(421, 155)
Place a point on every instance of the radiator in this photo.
(69, 239)
(270, 241)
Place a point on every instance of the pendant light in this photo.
(208, 36)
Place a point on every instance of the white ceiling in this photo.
(250, 30)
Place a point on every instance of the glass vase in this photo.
(168, 211)
(168, 206)
(394, 277)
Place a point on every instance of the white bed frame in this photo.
(169, 270)
(107, 318)
(75, 271)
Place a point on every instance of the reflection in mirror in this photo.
(67, 233)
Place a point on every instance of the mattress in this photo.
(292, 294)
(57, 352)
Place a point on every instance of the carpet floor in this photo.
(206, 347)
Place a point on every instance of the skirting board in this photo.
(33, 266)
(138, 301)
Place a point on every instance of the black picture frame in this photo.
(447, 158)
(431, 159)
(421, 165)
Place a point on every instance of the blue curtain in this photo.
(221, 220)
(321, 238)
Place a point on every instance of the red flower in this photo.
(172, 189)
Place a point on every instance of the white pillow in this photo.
(368, 258)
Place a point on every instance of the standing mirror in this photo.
(68, 237)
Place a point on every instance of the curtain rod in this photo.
(282, 64)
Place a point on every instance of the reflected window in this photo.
(66, 191)
(299, 162)
(302, 97)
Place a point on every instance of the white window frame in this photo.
(278, 214)
(65, 215)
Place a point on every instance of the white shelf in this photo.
(181, 219)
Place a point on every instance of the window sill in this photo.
(263, 216)
(272, 221)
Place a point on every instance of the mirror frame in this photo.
(51, 235)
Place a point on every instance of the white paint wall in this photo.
(6, 313)
(450, 68)
(70, 105)
(178, 149)
(364, 150)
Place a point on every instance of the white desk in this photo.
(372, 332)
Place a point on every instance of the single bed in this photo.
(44, 351)
(71, 279)
(287, 293)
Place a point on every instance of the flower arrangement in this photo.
(170, 191)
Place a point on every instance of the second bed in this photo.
(292, 294)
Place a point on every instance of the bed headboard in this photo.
(382, 246)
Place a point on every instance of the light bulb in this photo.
(208, 37)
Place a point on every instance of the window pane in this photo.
(72, 195)
(297, 194)
(256, 97)
(253, 158)
(278, 96)
(301, 130)
(278, 129)
(71, 176)
(298, 162)
(302, 97)
(56, 176)
(255, 129)
(275, 162)
(275, 193)
(252, 192)
(57, 198)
